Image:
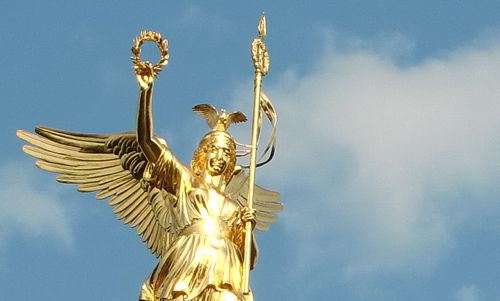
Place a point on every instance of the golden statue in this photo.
(196, 219)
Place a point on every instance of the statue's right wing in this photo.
(115, 166)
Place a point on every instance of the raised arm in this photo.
(145, 73)
(166, 172)
(145, 133)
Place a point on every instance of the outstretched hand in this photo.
(144, 74)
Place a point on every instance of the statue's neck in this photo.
(216, 182)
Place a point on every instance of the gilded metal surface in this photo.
(260, 59)
(195, 219)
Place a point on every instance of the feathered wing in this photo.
(208, 112)
(236, 117)
(112, 165)
(266, 202)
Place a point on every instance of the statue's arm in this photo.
(166, 172)
(145, 132)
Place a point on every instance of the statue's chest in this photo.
(212, 203)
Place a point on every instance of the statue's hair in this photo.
(198, 163)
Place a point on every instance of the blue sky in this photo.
(388, 155)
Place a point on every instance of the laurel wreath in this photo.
(162, 45)
(260, 56)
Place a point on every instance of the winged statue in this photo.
(191, 217)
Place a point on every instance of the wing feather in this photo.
(145, 225)
(91, 186)
(147, 233)
(124, 175)
(236, 117)
(119, 182)
(266, 202)
(134, 211)
(112, 166)
(208, 112)
(142, 213)
(79, 179)
(61, 149)
(126, 183)
(152, 240)
(48, 156)
(122, 195)
(128, 201)
(87, 142)
(129, 213)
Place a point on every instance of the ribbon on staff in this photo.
(266, 107)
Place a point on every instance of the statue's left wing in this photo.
(113, 165)
(266, 202)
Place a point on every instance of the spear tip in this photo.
(262, 26)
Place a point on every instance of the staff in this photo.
(260, 59)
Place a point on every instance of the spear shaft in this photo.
(261, 64)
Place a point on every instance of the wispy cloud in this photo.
(468, 293)
(380, 164)
(28, 210)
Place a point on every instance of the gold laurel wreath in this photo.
(162, 45)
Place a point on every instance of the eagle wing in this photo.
(114, 166)
(236, 117)
(266, 202)
(208, 112)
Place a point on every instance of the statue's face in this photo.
(218, 158)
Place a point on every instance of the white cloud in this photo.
(376, 157)
(467, 293)
(29, 210)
